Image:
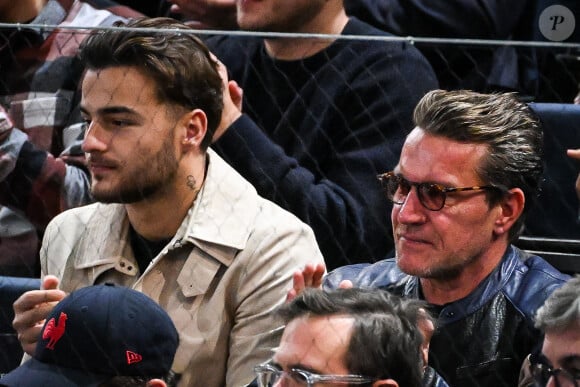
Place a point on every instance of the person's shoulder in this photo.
(385, 49)
(532, 280)
(381, 274)
(232, 43)
(83, 215)
(77, 212)
(273, 221)
(534, 269)
(262, 217)
(356, 26)
(378, 39)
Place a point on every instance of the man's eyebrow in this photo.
(569, 359)
(111, 110)
(298, 366)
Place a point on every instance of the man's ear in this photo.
(156, 383)
(427, 328)
(385, 383)
(510, 209)
(194, 126)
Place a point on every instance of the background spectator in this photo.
(322, 118)
(42, 169)
(480, 68)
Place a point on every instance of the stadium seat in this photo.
(555, 215)
(563, 254)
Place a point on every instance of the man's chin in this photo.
(106, 197)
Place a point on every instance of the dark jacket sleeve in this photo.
(339, 197)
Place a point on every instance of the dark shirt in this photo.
(317, 131)
(144, 249)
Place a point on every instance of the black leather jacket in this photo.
(482, 339)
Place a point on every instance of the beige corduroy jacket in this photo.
(228, 267)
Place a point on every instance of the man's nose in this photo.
(411, 211)
(93, 140)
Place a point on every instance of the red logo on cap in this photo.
(133, 357)
(54, 332)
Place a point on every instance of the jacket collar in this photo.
(219, 223)
(223, 215)
(481, 295)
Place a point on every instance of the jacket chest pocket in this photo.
(188, 290)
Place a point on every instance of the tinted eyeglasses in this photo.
(542, 371)
(270, 375)
(431, 195)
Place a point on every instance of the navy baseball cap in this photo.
(96, 333)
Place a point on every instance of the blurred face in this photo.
(22, 11)
(130, 139)
(316, 344)
(562, 350)
(277, 15)
(440, 244)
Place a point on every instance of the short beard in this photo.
(155, 176)
(443, 273)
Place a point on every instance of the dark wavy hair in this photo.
(165, 49)
(385, 341)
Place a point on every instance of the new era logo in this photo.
(133, 357)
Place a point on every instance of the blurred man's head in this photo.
(21, 11)
(559, 318)
(351, 336)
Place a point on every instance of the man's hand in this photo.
(5, 124)
(31, 309)
(575, 154)
(232, 98)
(309, 277)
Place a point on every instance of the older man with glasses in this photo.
(354, 337)
(465, 179)
(558, 364)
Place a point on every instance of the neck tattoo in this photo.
(191, 182)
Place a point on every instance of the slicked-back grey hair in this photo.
(508, 127)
